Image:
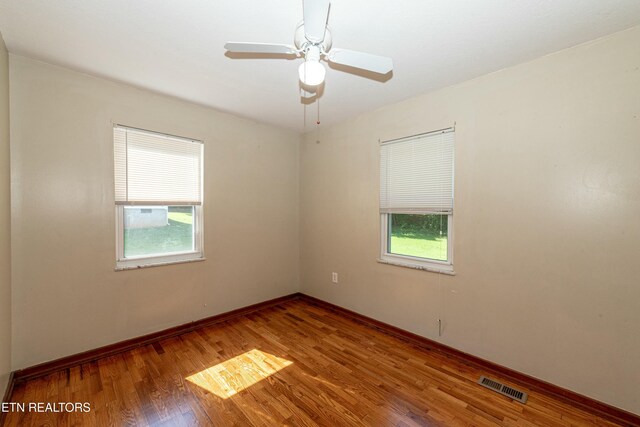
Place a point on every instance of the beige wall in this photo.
(547, 219)
(66, 295)
(5, 223)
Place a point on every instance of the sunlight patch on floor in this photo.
(230, 377)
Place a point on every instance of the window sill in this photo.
(432, 269)
(149, 264)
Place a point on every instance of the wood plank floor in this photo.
(292, 364)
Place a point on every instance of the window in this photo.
(416, 201)
(158, 198)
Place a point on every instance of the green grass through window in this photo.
(177, 236)
(422, 236)
(419, 244)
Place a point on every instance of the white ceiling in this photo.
(176, 46)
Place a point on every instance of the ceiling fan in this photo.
(312, 41)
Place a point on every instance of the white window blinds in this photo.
(416, 174)
(152, 168)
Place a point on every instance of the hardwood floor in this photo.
(292, 364)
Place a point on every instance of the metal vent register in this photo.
(503, 389)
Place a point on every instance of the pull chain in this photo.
(318, 123)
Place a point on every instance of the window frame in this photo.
(412, 261)
(142, 261)
(419, 263)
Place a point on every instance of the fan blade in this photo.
(364, 61)
(242, 47)
(315, 14)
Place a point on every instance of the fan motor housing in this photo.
(302, 43)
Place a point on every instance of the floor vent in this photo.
(504, 389)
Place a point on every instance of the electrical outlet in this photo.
(334, 277)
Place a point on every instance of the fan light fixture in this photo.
(311, 73)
